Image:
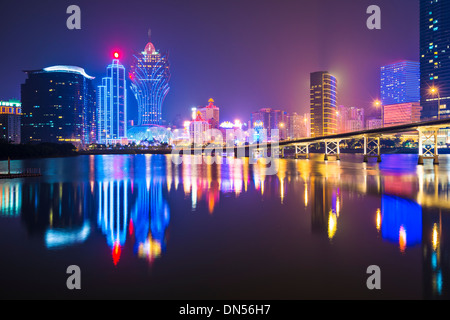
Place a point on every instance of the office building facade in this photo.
(402, 113)
(10, 121)
(59, 105)
(323, 98)
(112, 105)
(400, 83)
(150, 75)
(435, 58)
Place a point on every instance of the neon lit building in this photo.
(149, 74)
(211, 114)
(58, 105)
(400, 82)
(402, 113)
(10, 116)
(435, 57)
(112, 104)
(323, 97)
(198, 130)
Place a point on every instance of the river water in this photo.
(140, 226)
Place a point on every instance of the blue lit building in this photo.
(112, 104)
(435, 57)
(58, 105)
(400, 83)
(149, 74)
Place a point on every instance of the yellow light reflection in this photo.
(378, 219)
(435, 238)
(332, 225)
(150, 249)
(306, 195)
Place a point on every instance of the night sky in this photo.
(246, 54)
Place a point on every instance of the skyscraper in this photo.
(323, 97)
(58, 105)
(149, 74)
(435, 58)
(400, 83)
(112, 104)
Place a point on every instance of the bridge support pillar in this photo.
(332, 149)
(302, 150)
(428, 145)
(372, 148)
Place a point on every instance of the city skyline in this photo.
(200, 70)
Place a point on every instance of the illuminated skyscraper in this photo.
(58, 105)
(112, 104)
(400, 83)
(323, 96)
(150, 76)
(435, 57)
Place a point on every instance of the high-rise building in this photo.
(402, 113)
(112, 104)
(435, 58)
(350, 119)
(198, 130)
(58, 105)
(295, 126)
(271, 120)
(210, 113)
(400, 82)
(10, 114)
(323, 97)
(149, 74)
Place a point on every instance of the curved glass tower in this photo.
(149, 74)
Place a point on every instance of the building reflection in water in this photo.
(132, 207)
(10, 199)
(325, 206)
(401, 221)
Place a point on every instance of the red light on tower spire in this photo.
(116, 55)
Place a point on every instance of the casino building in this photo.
(112, 104)
(149, 74)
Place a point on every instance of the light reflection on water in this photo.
(131, 200)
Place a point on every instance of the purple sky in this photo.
(246, 54)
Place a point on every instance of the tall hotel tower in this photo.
(400, 83)
(58, 105)
(112, 104)
(323, 104)
(435, 58)
(150, 76)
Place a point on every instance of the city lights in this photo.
(267, 151)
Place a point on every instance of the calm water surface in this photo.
(141, 227)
